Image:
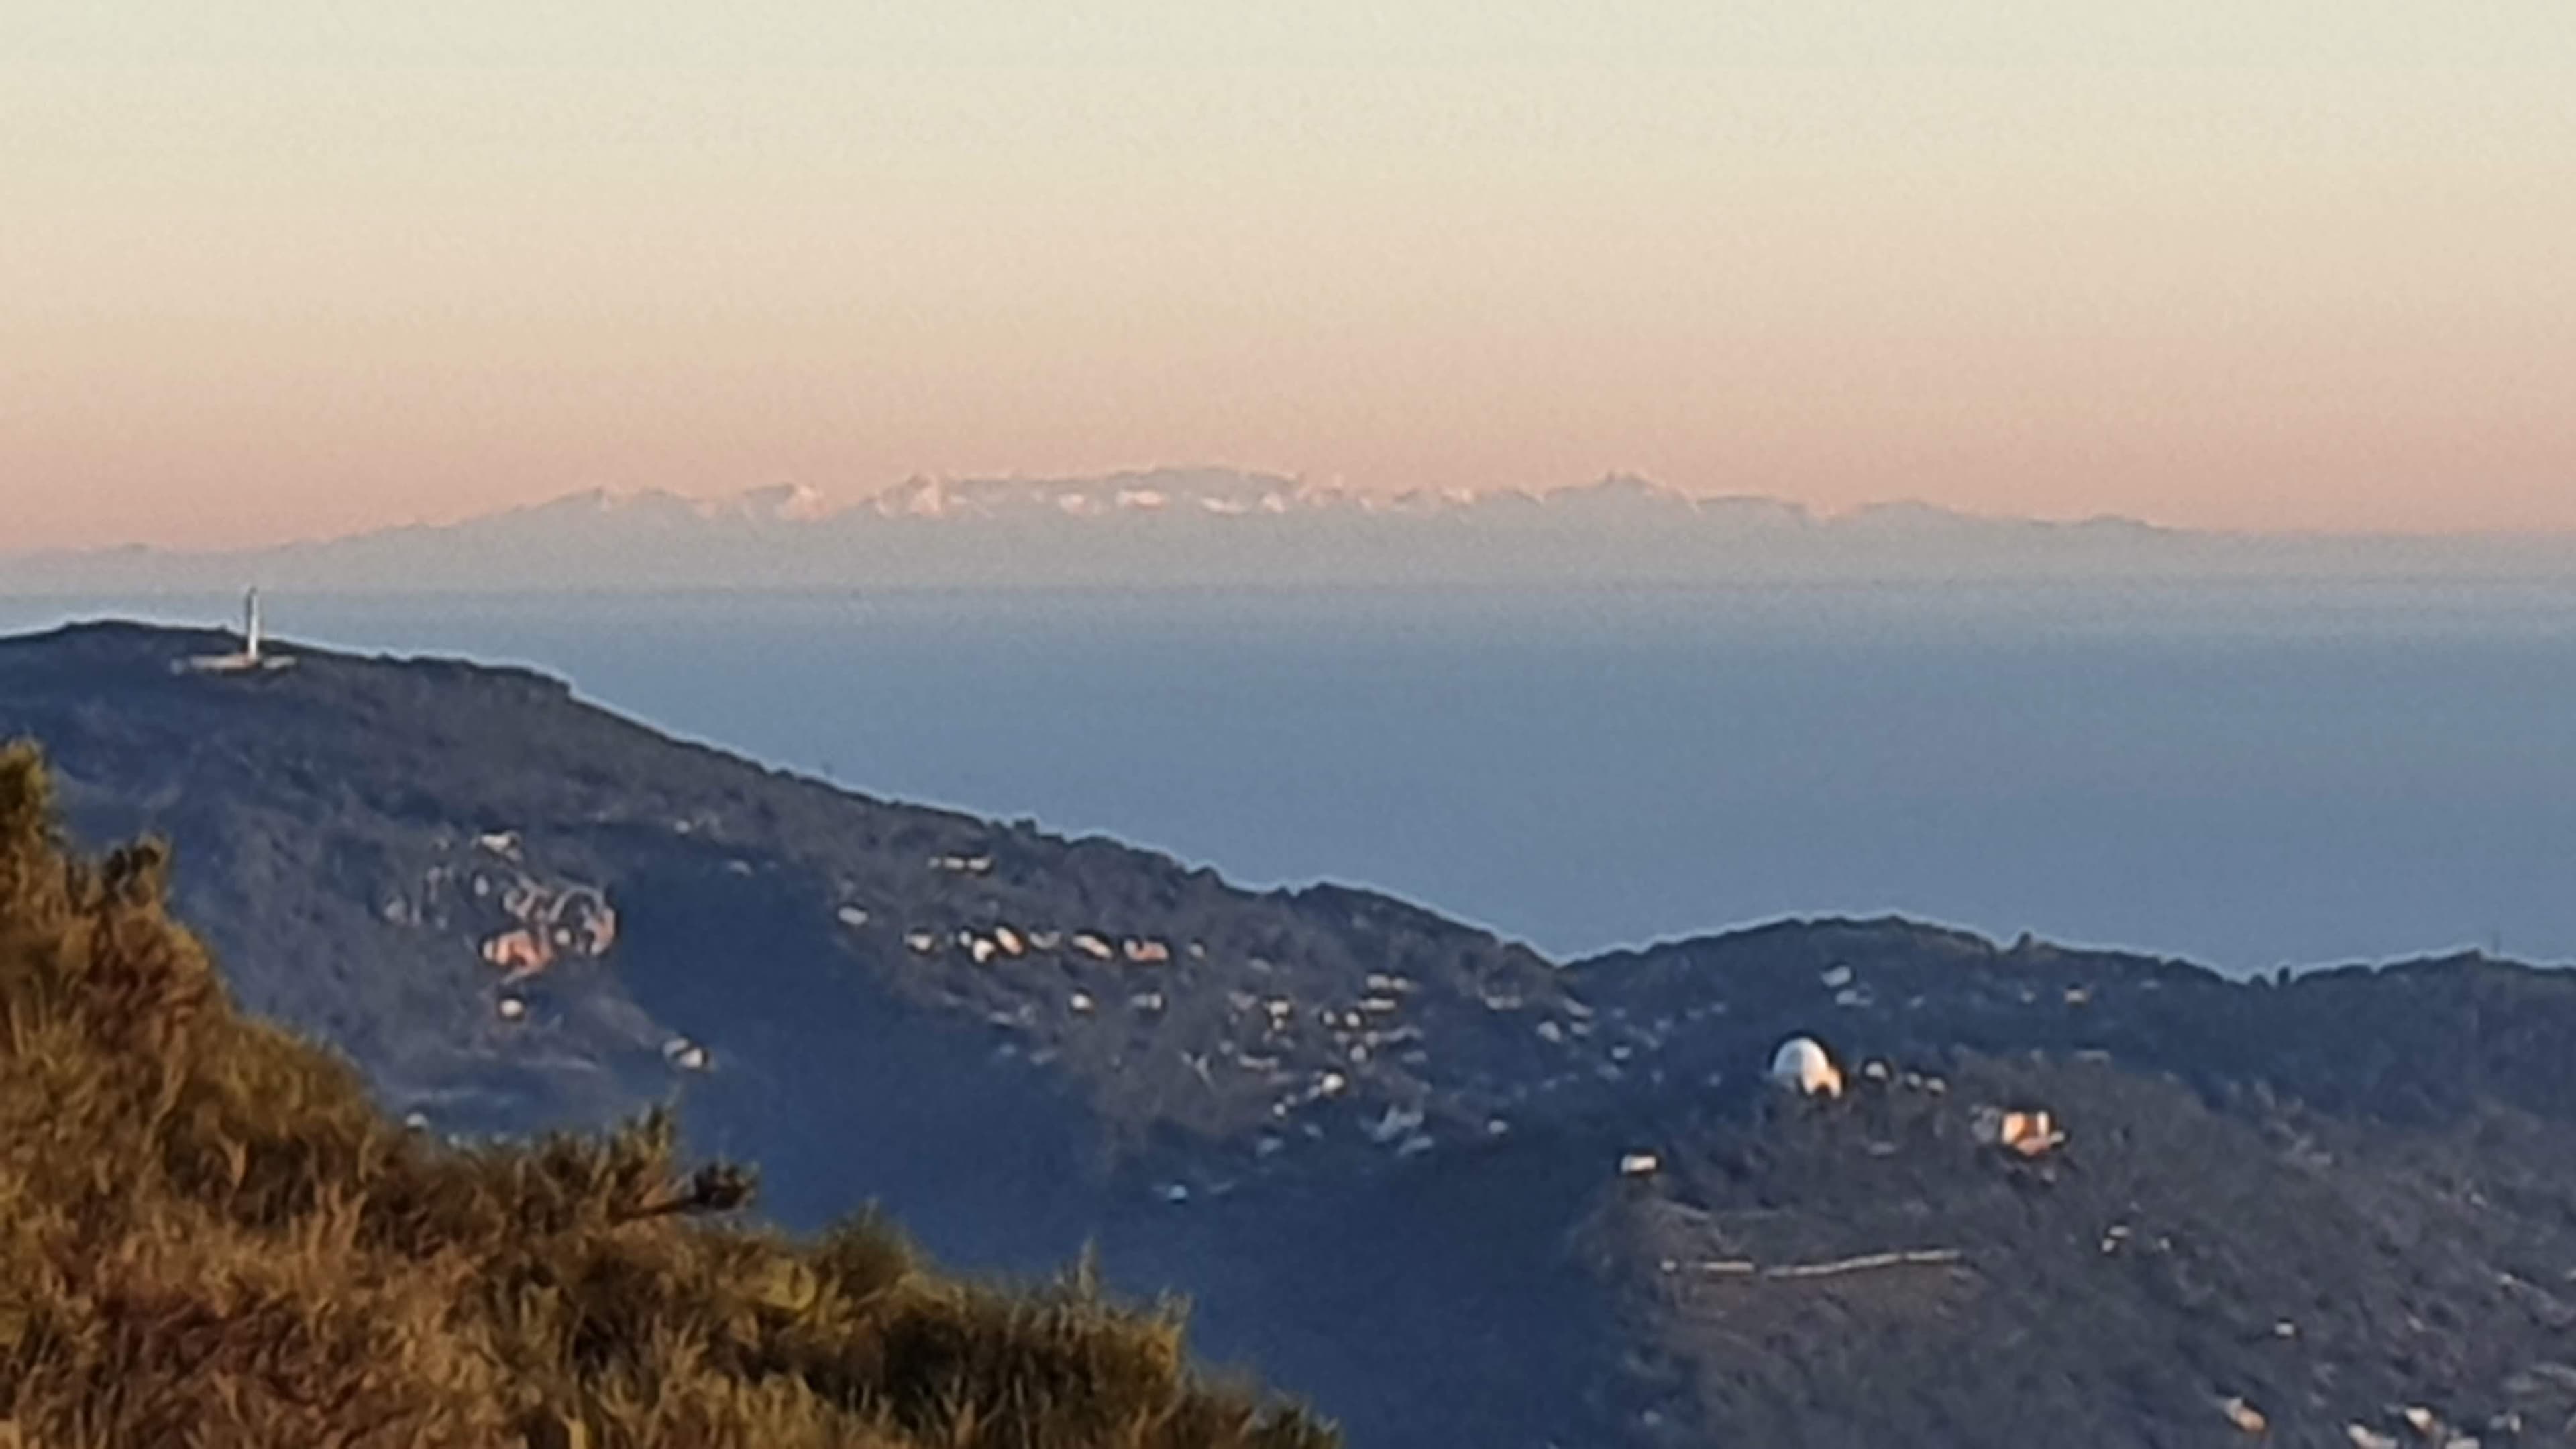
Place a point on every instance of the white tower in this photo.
(253, 656)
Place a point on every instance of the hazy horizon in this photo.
(304, 272)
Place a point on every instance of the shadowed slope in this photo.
(208, 1235)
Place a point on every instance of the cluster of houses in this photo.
(1006, 943)
(1302, 1053)
(547, 922)
(527, 925)
(2422, 1425)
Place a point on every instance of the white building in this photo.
(1804, 1066)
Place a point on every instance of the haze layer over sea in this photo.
(2247, 775)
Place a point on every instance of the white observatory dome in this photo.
(1804, 1066)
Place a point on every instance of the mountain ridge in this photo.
(1207, 526)
(1211, 489)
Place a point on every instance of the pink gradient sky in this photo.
(2295, 265)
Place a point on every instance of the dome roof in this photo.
(1803, 1064)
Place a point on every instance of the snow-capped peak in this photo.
(778, 503)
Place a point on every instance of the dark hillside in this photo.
(357, 832)
(2334, 1200)
(2169, 1258)
(1380, 1150)
(418, 794)
(208, 1236)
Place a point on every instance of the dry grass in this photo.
(209, 1236)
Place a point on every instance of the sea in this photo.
(2241, 774)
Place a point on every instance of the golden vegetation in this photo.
(209, 1236)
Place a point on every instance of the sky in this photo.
(300, 268)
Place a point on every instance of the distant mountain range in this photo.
(1205, 526)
